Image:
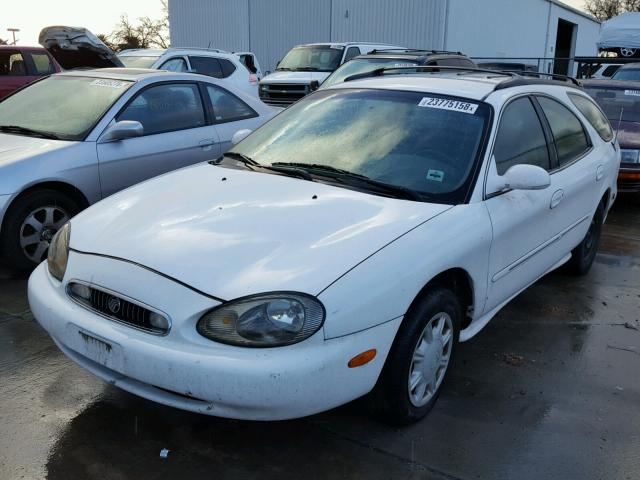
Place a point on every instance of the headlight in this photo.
(630, 156)
(268, 320)
(59, 252)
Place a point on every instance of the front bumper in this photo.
(187, 371)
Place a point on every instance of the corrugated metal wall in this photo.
(411, 23)
(278, 25)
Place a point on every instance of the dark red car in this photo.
(620, 101)
(22, 65)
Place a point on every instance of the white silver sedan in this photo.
(77, 137)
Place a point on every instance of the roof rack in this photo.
(204, 49)
(415, 50)
(515, 78)
(379, 72)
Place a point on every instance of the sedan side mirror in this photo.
(122, 130)
(240, 135)
(526, 177)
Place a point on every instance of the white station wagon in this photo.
(342, 249)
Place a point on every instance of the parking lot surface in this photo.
(550, 389)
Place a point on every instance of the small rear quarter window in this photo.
(592, 112)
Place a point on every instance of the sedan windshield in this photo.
(618, 104)
(321, 58)
(363, 65)
(426, 144)
(66, 107)
(135, 61)
(627, 74)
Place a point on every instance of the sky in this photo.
(30, 16)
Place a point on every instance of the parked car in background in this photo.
(605, 70)
(630, 71)
(509, 66)
(305, 67)
(77, 47)
(343, 248)
(250, 61)
(20, 66)
(621, 35)
(74, 138)
(205, 61)
(620, 102)
(396, 57)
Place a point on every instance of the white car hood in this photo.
(231, 233)
(295, 77)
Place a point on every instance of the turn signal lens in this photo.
(362, 358)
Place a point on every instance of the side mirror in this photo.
(315, 85)
(526, 177)
(240, 135)
(122, 130)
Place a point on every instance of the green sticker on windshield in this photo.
(435, 175)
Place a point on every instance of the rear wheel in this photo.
(584, 254)
(419, 360)
(628, 52)
(30, 225)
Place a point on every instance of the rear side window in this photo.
(227, 67)
(42, 63)
(520, 138)
(206, 66)
(568, 134)
(595, 116)
(351, 53)
(166, 108)
(12, 64)
(176, 64)
(227, 107)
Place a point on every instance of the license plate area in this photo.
(100, 350)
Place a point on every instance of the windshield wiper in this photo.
(27, 131)
(252, 164)
(346, 176)
(308, 69)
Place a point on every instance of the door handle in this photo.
(556, 198)
(206, 144)
(599, 173)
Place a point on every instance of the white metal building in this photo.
(479, 28)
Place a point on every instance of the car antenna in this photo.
(619, 123)
(209, 46)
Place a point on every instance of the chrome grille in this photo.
(282, 95)
(115, 307)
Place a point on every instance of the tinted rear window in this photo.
(592, 113)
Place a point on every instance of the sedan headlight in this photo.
(630, 156)
(268, 320)
(59, 252)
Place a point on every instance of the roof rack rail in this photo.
(204, 49)
(552, 76)
(378, 72)
(415, 50)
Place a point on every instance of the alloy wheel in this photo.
(37, 230)
(430, 359)
(627, 52)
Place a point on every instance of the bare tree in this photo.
(606, 9)
(145, 32)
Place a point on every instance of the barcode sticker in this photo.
(103, 82)
(447, 104)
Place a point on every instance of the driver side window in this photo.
(520, 138)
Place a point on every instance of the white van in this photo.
(305, 67)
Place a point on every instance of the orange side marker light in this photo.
(362, 358)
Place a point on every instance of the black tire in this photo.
(14, 230)
(390, 398)
(584, 254)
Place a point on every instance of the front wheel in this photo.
(419, 359)
(628, 52)
(30, 225)
(584, 254)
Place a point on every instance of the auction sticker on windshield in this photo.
(102, 82)
(447, 104)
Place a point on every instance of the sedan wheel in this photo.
(628, 52)
(430, 359)
(38, 229)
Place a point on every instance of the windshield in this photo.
(65, 106)
(362, 65)
(424, 142)
(616, 102)
(626, 74)
(134, 61)
(321, 58)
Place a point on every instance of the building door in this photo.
(565, 47)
